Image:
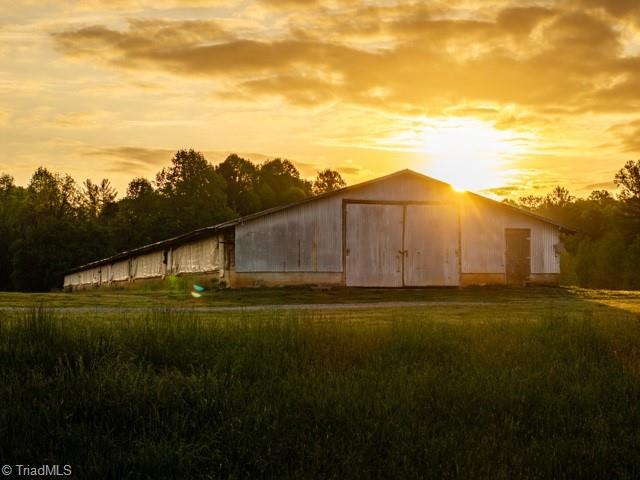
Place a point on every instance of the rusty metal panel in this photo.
(431, 245)
(374, 245)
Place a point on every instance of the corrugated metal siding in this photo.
(303, 239)
(483, 239)
(308, 238)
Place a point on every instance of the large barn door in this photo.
(373, 250)
(431, 246)
(518, 256)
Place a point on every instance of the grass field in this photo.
(485, 383)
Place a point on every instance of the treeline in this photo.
(605, 250)
(54, 224)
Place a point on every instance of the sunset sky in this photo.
(504, 97)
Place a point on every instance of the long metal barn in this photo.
(401, 230)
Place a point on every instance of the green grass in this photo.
(181, 297)
(534, 384)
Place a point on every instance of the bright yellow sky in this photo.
(503, 97)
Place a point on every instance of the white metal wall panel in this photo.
(308, 238)
(120, 270)
(148, 265)
(200, 256)
(405, 188)
(483, 239)
(374, 245)
(90, 276)
(95, 276)
(105, 276)
(431, 245)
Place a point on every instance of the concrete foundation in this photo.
(278, 279)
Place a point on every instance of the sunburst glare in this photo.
(470, 154)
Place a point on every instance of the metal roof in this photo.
(205, 231)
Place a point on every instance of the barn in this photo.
(401, 230)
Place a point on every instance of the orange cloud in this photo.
(559, 58)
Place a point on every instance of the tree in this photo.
(601, 197)
(241, 177)
(327, 181)
(139, 188)
(280, 176)
(53, 234)
(6, 184)
(52, 194)
(559, 197)
(193, 193)
(11, 198)
(139, 219)
(628, 180)
(97, 197)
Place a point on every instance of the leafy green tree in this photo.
(52, 194)
(11, 197)
(241, 177)
(139, 219)
(139, 188)
(192, 193)
(51, 237)
(284, 182)
(328, 181)
(530, 202)
(97, 197)
(628, 181)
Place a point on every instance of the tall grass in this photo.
(169, 394)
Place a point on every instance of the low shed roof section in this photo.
(204, 232)
(170, 242)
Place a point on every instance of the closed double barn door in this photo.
(393, 245)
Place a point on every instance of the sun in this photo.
(469, 154)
